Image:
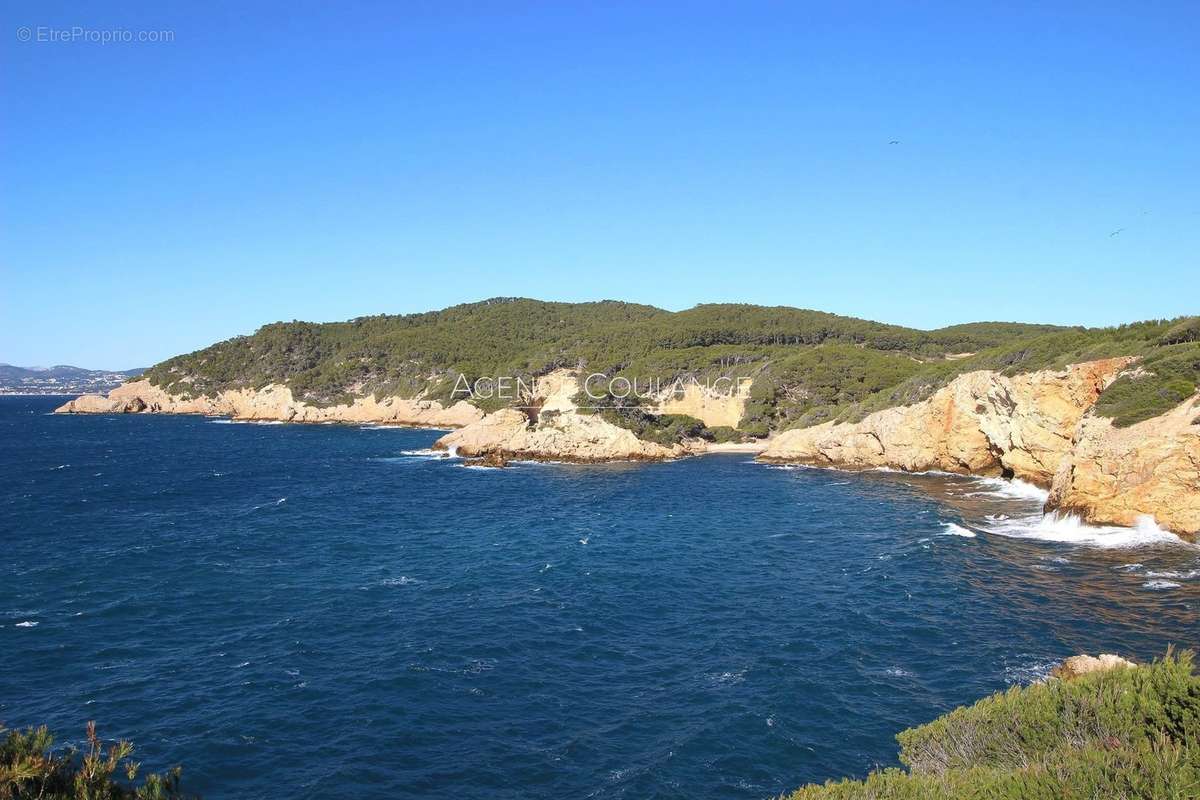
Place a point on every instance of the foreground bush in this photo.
(1121, 734)
(30, 768)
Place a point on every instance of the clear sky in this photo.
(319, 161)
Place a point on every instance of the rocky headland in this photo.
(1037, 427)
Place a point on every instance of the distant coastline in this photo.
(62, 379)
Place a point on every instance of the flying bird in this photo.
(1114, 233)
(894, 141)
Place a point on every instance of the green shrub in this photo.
(1125, 733)
(721, 434)
(1161, 381)
(30, 769)
(754, 428)
(664, 429)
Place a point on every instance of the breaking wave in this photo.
(1011, 488)
(1070, 529)
(1160, 585)
(427, 452)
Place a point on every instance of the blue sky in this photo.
(323, 161)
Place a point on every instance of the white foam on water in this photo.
(951, 529)
(426, 452)
(730, 678)
(1069, 529)
(1028, 672)
(1009, 488)
(26, 624)
(1160, 585)
(1187, 575)
(941, 473)
(403, 580)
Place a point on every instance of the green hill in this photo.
(806, 366)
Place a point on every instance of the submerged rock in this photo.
(495, 460)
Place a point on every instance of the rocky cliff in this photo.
(1116, 475)
(715, 406)
(274, 403)
(1036, 427)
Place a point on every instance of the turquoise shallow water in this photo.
(312, 611)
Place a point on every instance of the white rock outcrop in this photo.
(550, 427)
(274, 403)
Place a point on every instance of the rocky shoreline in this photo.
(274, 403)
(1037, 427)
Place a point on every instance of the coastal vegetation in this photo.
(32, 768)
(806, 367)
(1122, 733)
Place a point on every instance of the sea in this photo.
(329, 611)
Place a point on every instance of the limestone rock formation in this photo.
(1117, 475)
(551, 428)
(982, 423)
(721, 404)
(274, 403)
(1075, 666)
(1037, 427)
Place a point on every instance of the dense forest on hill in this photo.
(807, 366)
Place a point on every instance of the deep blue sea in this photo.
(326, 611)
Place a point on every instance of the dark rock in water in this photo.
(487, 460)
